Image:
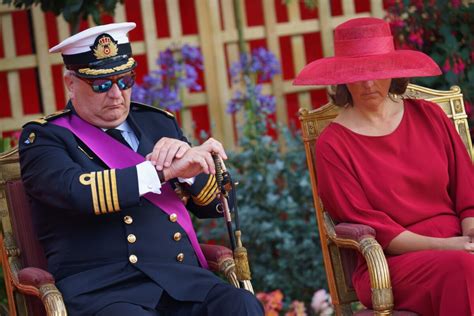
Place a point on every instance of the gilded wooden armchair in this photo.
(338, 241)
(30, 288)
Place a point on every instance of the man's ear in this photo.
(69, 82)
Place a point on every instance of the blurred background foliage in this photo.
(73, 11)
(445, 31)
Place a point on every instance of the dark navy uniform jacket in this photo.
(103, 242)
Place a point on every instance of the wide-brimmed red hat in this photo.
(364, 50)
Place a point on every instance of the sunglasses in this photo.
(102, 85)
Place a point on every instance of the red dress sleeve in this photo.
(344, 198)
(460, 167)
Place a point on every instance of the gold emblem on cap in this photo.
(31, 137)
(105, 47)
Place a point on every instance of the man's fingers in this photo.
(171, 154)
(209, 162)
(166, 149)
(181, 151)
(213, 146)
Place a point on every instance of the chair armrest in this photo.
(354, 232)
(34, 277)
(362, 238)
(221, 259)
(40, 283)
(216, 256)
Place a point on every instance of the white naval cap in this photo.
(99, 51)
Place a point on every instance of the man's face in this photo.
(106, 110)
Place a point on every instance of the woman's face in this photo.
(369, 93)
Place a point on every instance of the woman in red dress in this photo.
(399, 166)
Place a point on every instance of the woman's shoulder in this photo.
(426, 106)
(331, 140)
(329, 134)
(426, 112)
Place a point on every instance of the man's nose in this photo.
(114, 91)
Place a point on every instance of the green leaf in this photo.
(72, 9)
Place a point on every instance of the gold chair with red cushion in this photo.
(30, 288)
(340, 242)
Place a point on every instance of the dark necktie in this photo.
(117, 134)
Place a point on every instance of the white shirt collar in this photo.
(124, 127)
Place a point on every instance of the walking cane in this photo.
(226, 186)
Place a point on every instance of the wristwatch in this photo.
(161, 176)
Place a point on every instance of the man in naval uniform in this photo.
(118, 239)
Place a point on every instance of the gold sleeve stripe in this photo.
(211, 182)
(210, 197)
(100, 186)
(207, 199)
(209, 194)
(113, 182)
(204, 203)
(108, 193)
(89, 179)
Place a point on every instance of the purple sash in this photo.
(117, 156)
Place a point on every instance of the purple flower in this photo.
(165, 58)
(177, 70)
(190, 80)
(235, 71)
(267, 103)
(169, 99)
(236, 103)
(261, 62)
(139, 94)
(192, 55)
(264, 62)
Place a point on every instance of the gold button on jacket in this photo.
(128, 220)
(133, 259)
(180, 257)
(177, 236)
(173, 217)
(131, 238)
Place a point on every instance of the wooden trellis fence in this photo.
(31, 78)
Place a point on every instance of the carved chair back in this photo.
(17, 233)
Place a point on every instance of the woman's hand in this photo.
(408, 241)
(467, 225)
(458, 243)
(166, 150)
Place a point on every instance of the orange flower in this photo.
(272, 302)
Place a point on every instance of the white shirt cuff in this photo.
(148, 180)
(189, 181)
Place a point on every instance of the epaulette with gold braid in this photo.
(153, 108)
(45, 119)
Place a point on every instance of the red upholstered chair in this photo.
(30, 288)
(340, 242)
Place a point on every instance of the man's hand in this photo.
(166, 150)
(195, 161)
